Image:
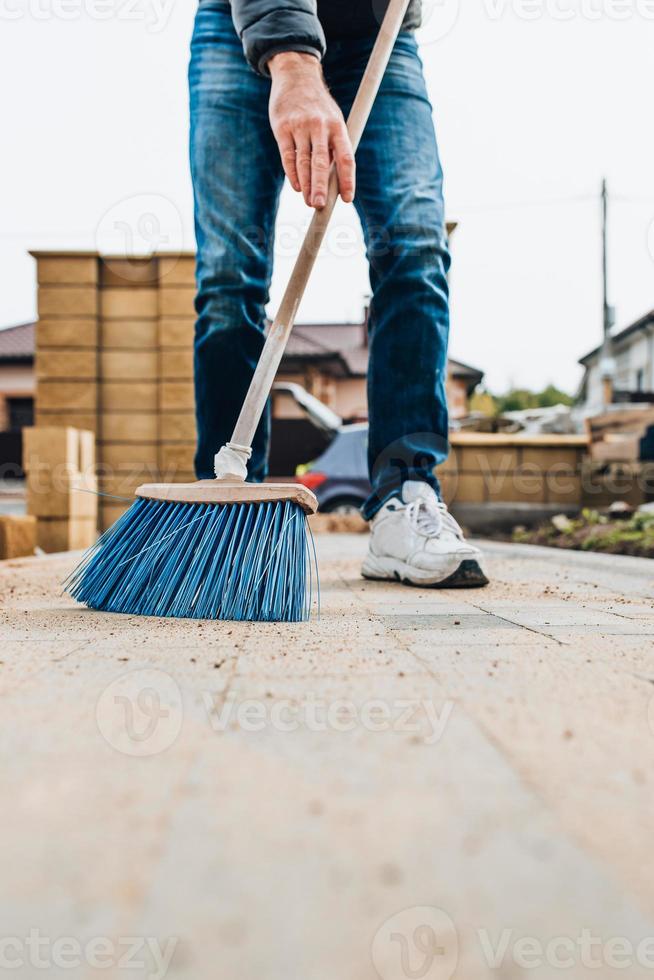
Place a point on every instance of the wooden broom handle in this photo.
(272, 353)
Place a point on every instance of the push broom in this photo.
(224, 548)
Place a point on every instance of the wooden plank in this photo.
(224, 492)
(67, 301)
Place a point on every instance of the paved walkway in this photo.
(416, 785)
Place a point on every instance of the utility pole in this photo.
(607, 361)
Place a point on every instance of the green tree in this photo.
(519, 399)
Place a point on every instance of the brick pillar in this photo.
(114, 356)
(66, 363)
(177, 434)
(128, 429)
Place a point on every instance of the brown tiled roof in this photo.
(344, 346)
(317, 338)
(17, 343)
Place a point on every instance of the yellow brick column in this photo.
(66, 363)
(177, 432)
(127, 397)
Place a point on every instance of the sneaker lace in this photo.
(432, 518)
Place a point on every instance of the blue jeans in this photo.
(237, 178)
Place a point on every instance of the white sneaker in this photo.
(414, 539)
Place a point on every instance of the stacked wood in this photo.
(615, 436)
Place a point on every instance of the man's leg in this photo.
(399, 199)
(237, 177)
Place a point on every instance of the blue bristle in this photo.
(201, 561)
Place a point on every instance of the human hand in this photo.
(309, 128)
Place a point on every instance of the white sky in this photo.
(534, 101)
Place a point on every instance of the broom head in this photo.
(212, 549)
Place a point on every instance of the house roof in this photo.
(460, 370)
(344, 348)
(17, 343)
(622, 335)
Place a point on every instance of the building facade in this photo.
(633, 368)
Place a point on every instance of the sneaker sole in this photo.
(467, 576)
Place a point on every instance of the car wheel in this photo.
(342, 505)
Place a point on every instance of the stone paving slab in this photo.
(417, 784)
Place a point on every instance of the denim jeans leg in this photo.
(237, 177)
(400, 202)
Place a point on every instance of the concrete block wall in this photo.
(485, 468)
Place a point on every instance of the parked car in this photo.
(339, 477)
(326, 455)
